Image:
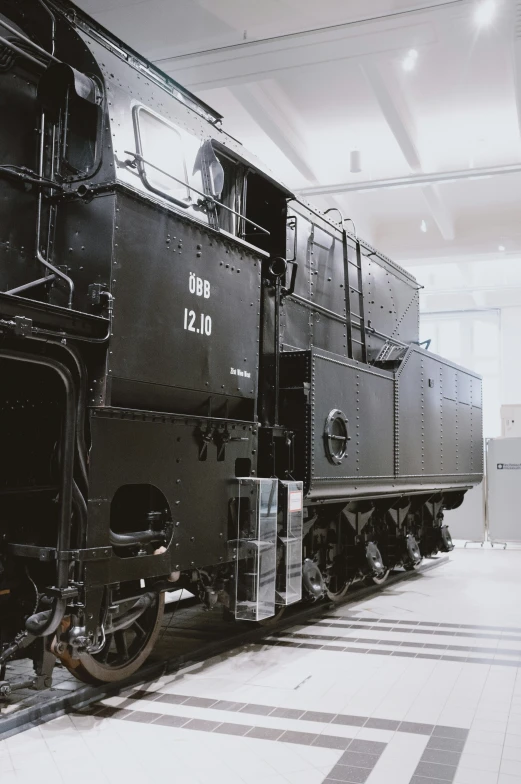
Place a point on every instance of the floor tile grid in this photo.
(497, 652)
(356, 765)
(359, 757)
(439, 760)
(404, 654)
(510, 766)
(387, 621)
(324, 717)
(438, 632)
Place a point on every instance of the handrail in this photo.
(9, 44)
(27, 40)
(205, 196)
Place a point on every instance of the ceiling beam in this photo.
(256, 60)
(429, 178)
(268, 106)
(439, 212)
(398, 118)
(395, 112)
(271, 109)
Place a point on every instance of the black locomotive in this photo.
(205, 382)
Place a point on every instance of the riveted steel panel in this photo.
(449, 463)
(450, 382)
(464, 388)
(186, 312)
(365, 396)
(136, 448)
(437, 433)
(409, 416)
(476, 424)
(328, 291)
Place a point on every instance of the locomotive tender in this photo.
(205, 382)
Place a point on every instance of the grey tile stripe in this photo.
(437, 764)
(403, 630)
(432, 624)
(365, 748)
(400, 643)
(408, 654)
(438, 731)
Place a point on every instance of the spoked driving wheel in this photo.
(124, 650)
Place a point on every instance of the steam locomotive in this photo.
(205, 382)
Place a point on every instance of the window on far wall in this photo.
(471, 339)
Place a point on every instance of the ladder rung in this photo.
(353, 263)
(357, 290)
(360, 342)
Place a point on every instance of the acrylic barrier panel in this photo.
(289, 560)
(256, 568)
(504, 489)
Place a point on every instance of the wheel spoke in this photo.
(124, 650)
(106, 650)
(121, 645)
(140, 632)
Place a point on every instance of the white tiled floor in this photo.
(477, 587)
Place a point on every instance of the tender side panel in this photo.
(438, 414)
(365, 396)
(186, 316)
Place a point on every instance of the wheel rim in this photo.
(414, 557)
(379, 579)
(124, 651)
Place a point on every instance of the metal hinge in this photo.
(23, 327)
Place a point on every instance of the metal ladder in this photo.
(349, 290)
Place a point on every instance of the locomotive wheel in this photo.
(124, 651)
(414, 557)
(380, 579)
(375, 562)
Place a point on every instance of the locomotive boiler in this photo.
(205, 382)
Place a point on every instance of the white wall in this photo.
(475, 290)
(511, 355)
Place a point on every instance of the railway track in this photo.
(190, 635)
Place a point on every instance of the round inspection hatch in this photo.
(336, 436)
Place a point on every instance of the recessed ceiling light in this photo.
(485, 13)
(409, 62)
(423, 226)
(501, 248)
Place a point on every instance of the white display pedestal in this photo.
(504, 490)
